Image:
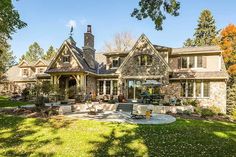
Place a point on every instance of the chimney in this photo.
(88, 49)
(89, 38)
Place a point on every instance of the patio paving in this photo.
(125, 117)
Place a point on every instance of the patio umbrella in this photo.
(152, 83)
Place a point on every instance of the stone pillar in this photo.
(67, 89)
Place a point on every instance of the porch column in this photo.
(67, 88)
(78, 84)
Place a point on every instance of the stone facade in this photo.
(217, 95)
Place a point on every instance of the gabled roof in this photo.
(45, 62)
(196, 50)
(24, 63)
(143, 36)
(76, 53)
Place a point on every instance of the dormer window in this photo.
(66, 59)
(40, 70)
(145, 60)
(25, 72)
(115, 63)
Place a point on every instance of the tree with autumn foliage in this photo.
(227, 42)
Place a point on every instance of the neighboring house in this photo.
(23, 75)
(196, 73)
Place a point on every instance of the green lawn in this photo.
(4, 102)
(61, 137)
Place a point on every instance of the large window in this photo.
(115, 87)
(145, 60)
(192, 62)
(184, 62)
(206, 89)
(199, 61)
(108, 87)
(195, 88)
(100, 87)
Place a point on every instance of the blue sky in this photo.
(47, 21)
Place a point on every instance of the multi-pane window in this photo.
(191, 62)
(184, 63)
(25, 72)
(40, 70)
(197, 88)
(108, 87)
(101, 87)
(199, 61)
(115, 87)
(115, 63)
(206, 89)
(145, 60)
(66, 58)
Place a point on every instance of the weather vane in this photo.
(71, 30)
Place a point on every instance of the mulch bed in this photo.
(198, 117)
(33, 112)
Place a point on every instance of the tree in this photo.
(231, 100)
(205, 33)
(9, 22)
(50, 53)
(227, 42)
(34, 53)
(155, 9)
(189, 43)
(120, 43)
(6, 60)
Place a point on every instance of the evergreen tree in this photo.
(206, 32)
(231, 100)
(6, 60)
(189, 43)
(50, 53)
(34, 53)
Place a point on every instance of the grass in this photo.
(5, 102)
(66, 137)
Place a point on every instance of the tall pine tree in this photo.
(206, 32)
(34, 53)
(231, 98)
(51, 52)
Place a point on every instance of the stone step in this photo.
(125, 107)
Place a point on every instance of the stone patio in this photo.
(124, 117)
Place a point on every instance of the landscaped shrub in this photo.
(215, 110)
(234, 114)
(193, 102)
(197, 110)
(206, 112)
(231, 98)
(187, 112)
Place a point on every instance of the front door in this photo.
(134, 89)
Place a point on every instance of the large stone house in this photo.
(196, 72)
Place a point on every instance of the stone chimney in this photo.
(88, 49)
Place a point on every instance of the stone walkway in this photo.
(110, 116)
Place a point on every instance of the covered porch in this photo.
(68, 85)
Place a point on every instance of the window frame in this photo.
(184, 93)
(66, 58)
(188, 60)
(144, 60)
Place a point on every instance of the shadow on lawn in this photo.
(18, 138)
(182, 138)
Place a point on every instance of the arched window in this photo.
(145, 60)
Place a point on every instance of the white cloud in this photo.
(71, 23)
